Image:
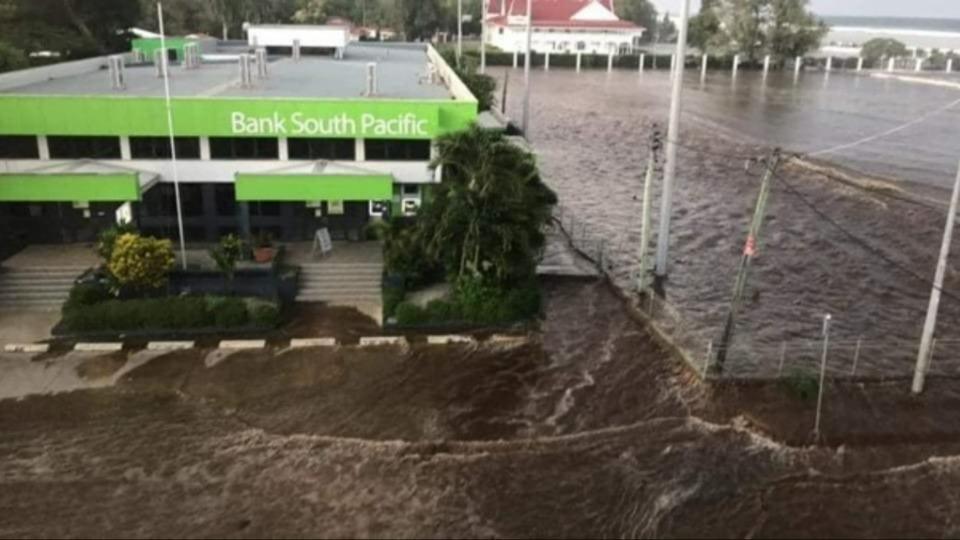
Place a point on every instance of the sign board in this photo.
(335, 208)
(322, 241)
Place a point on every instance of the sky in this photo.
(889, 8)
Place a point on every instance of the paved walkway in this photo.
(23, 326)
(53, 256)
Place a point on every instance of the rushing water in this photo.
(590, 133)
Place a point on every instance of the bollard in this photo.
(703, 67)
(797, 66)
(891, 65)
(579, 56)
(783, 358)
(919, 66)
(856, 357)
(610, 62)
(860, 64)
(514, 59)
(949, 65)
(829, 64)
(643, 58)
(823, 374)
(736, 64)
(546, 61)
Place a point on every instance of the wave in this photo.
(896, 31)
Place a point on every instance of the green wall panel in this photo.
(69, 187)
(227, 117)
(148, 45)
(313, 187)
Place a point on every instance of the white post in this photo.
(930, 324)
(44, 147)
(173, 147)
(736, 64)
(706, 361)
(859, 64)
(483, 37)
(919, 66)
(797, 66)
(643, 59)
(579, 56)
(823, 374)
(515, 60)
(125, 153)
(829, 64)
(766, 66)
(856, 356)
(526, 71)
(949, 65)
(459, 31)
(673, 135)
(610, 61)
(546, 61)
(673, 64)
(891, 65)
(703, 67)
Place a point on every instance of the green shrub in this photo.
(439, 311)
(392, 297)
(229, 312)
(87, 294)
(181, 313)
(264, 315)
(410, 314)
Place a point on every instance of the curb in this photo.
(26, 348)
(377, 341)
(239, 344)
(170, 345)
(449, 339)
(305, 343)
(98, 347)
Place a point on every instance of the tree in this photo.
(421, 18)
(140, 262)
(878, 48)
(11, 58)
(640, 12)
(782, 28)
(227, 255)
(73, 28)
(666, 30)
(704, 28)
(794, 30)
(487, 217)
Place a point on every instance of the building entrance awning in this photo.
(76, 181)
(320, 181)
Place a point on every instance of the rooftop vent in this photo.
(261, 56)
(296, 50)
(246, 77)
(191, 56)
(118, 79)
(159, 63)
(371, 79)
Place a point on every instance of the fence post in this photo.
(856, 356)
(579, 58)
(546, 61)
(514, 59)
(610, 62)
(823, 375)
(643, 58)
(706, 361)
(783, 358)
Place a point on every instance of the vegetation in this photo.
(642, 13)
(227, 254)
(782, 28)
(140, 263)
(802, 385)
(878, 48)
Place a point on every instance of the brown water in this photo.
(590, 132)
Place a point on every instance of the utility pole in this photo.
(749, 251)
(923, 356)
(483, 37)
(656, 145)
(673, 135)
(526, 71)
(459, 31)
(165, 61)
(823, 375)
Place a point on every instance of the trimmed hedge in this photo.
(474, 304)
(87, 312)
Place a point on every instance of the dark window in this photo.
(397, 150)
(19, 147)
(344, 149)
(159, 147)
(244, 148)
(161, 200)
(72, 147)
(226, 200)
(264, 209)
(191, 200)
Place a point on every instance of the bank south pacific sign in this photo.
(401, 125)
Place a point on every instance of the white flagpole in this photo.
(173, 147)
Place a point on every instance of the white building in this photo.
(561, 26)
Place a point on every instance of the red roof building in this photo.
(561, 26)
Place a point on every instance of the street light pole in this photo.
(483, 37)
(526, 71)
(165, 58)
(459, 30)
(673, 134)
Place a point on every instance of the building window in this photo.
(264, 209)
(342, 149)
(581, 45)
(159, 147)
(161, 200)
(397, 150)
(225, 198)
(71, 147)
(19, 147)
(244, 148)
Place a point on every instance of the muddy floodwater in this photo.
(590, 132)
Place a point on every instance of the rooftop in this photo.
(402, 71)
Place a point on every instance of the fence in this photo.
(860, 358)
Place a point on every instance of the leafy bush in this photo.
(264, 315)
(443, 311)
(227, 254)
(108, 238)
(87, 294)
(182, 313)
(392, 297)
(229, 312)
(408, 313)
(140, 262)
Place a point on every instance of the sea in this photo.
(924, 33)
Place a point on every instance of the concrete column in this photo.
(860, 64)
(919, 67)
(43, 147)
(949, 65)
(205, 148)
(125, 148)
(643, 59)
(703, 67)
(515, 59)
(736, 64)
(891, 64)
(284, 148)
(829, 64)
(609, 61)
(579, 58)
(546, 61)
(360, 150)
(243, 217)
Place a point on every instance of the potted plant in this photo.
(263, 250)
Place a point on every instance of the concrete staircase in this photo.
(344, 284)
(36, 288)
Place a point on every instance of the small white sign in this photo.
(322, 241)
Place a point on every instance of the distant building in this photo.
(561, 27)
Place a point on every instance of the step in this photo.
(371, 273)
(35, 286)
(18, 280)
(342, 301)
(340, 283)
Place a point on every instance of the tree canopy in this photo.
(882, 47)
(782, 28)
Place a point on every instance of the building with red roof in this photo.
(561, 27)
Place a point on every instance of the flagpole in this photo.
(165, 58)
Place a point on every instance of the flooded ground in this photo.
(590, 132)
(592, 432)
